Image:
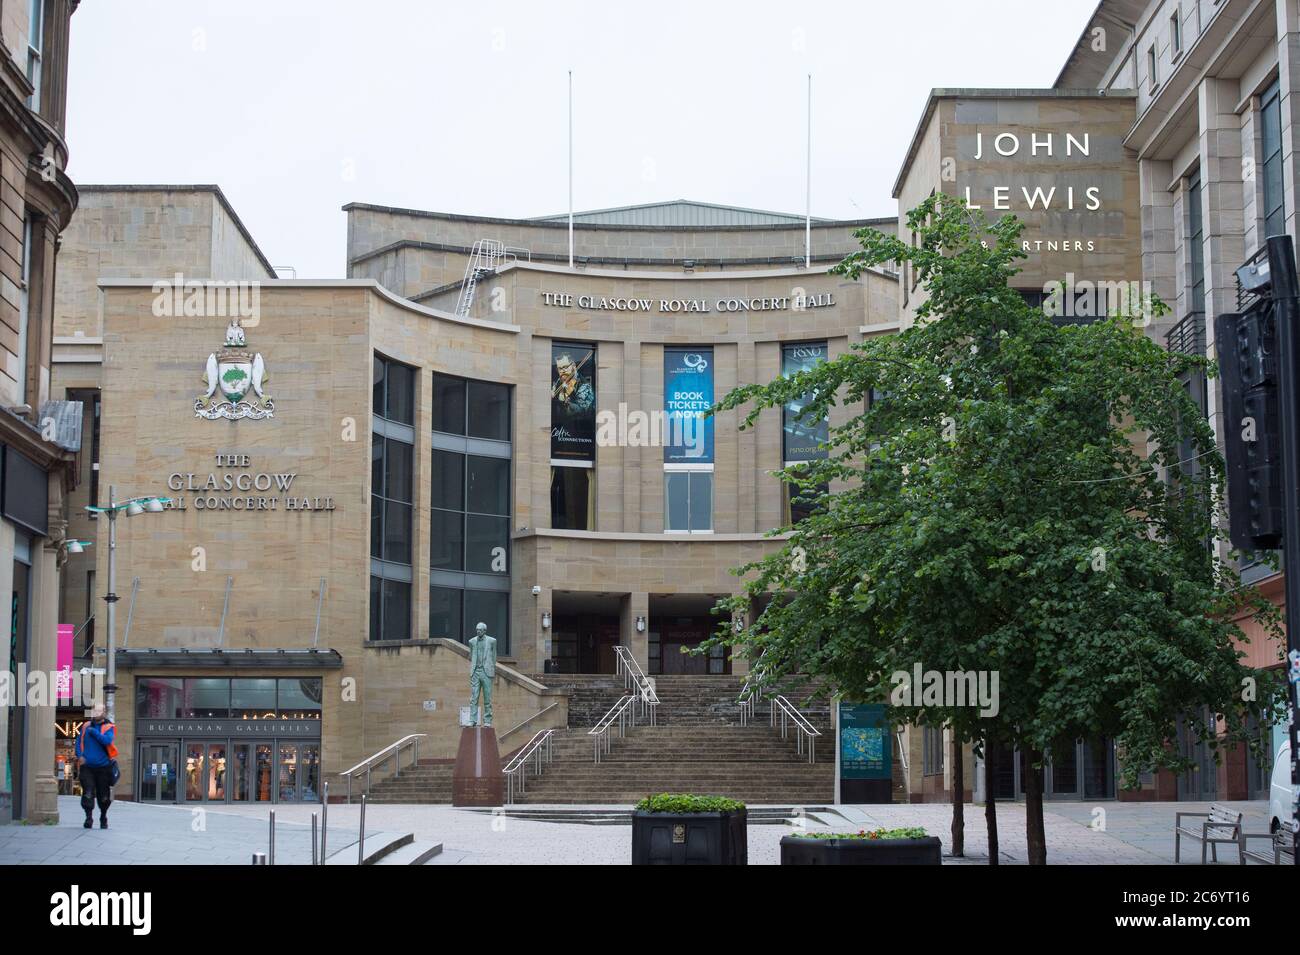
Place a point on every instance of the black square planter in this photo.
(689, 838)
(800, 851)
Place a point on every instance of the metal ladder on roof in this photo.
(484, 259)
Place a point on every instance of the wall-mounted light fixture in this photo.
(640, 624)
(738, 622)
(546, 620)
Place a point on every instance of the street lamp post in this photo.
(136, 505)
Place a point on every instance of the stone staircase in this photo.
(425, 782)
(697, 746)
(750, 763)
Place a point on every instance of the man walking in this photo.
(95, 752)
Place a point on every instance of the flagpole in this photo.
(807, 229)
(570, 168)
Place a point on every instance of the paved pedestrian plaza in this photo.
(1077, 834)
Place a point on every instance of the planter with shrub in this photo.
(866, 847)
(680, 829)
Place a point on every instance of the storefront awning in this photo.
(218, 658)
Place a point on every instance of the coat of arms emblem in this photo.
(233, 382)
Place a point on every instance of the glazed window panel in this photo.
(489, 410)
(448, 484)
(1271, 151)
(252, 699)
(446, 540)
(445, 613)
(157, 697)
(394, 390)
(448, 404)
(397, 610)
(207, 698)
(487, 544)
(399, 470)
(487, 485)
(491, 607)
(572, 498)
(397, 532)
(299, 699)
(400, 405)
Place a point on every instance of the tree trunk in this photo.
(990, 805)
(958, 806)
(1035, 836)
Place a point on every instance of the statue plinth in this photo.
(477, 780)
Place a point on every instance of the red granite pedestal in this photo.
(476, 779)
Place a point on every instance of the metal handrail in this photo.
(620, 713)
(393, 751)
(752, 691)
(524, 722)
(634, 678)
(806, 731)
(538, 750)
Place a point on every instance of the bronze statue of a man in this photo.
(482, 670)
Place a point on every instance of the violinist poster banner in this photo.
(573, 402)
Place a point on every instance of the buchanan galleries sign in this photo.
(235, 486)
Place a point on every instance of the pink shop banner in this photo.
(65, 661)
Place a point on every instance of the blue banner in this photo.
(801, 435)
(865, 749)
(688, 393)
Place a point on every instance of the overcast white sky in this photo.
(295, 107)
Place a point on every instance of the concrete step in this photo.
(413, 853)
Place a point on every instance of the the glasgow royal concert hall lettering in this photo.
(797, 302)
(235, 486)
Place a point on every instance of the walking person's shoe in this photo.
(89, 823)
(103, 821)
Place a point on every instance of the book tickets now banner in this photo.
(865, 749)
(573, 402)
(688, 393)
(801, 436)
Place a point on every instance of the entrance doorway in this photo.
(228, 771)
(1201, 782)
(678, 624)
(584, 632)
(158, 772)
(1082, 770)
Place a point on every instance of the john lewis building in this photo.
(521, 449)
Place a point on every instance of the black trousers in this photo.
(96, 786)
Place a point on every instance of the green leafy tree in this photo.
(1014, 496)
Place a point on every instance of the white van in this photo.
(1279, 800)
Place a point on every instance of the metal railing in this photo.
(634, 678)
(391, 752)
(790, 716)
(537, 753)
(623, 715)
(1188, 336)
(752, 691)
(524, 722)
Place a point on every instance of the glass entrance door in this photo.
(158, 772)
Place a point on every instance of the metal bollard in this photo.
(324, 822)
(259, 858)
(313, 838)
(361, 839)
(272, 837)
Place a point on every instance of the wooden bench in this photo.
(1281, 849)
(1222, 826)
